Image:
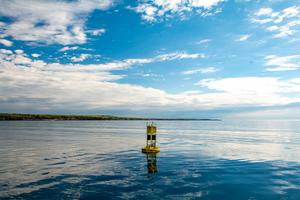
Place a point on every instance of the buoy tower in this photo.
(151, 140)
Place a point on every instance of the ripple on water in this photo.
(96, 160)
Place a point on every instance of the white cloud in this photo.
(20, 56)
(178, 55)
(203, 41)
(81, 58)
(264, 12)
(2, 24)
(191, 92)
(243, 38)
(6, 42)
(93, 86)
(201, 71)
(49, 21)
(126, 63)
(96, 32)
(67, 85)
(150, 74)
(35, 55)
(251, 85)
(282, 63)
(19, 51)
(5, 51)
(156, 10)
(282, 23)
(264, 91)
(67, 48)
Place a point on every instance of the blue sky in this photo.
(191, 58)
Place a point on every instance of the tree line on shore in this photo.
(17, 116)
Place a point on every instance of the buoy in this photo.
(151, 140)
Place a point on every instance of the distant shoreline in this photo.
(42, 117)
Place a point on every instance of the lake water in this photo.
(102, 160)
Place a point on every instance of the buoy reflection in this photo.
(151, 163)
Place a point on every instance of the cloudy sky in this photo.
(190, 58)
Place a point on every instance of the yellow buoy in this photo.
(151, 140)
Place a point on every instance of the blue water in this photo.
(102, 160)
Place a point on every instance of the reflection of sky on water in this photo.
(252, 141)
(94, 159)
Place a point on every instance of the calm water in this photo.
(102, 160)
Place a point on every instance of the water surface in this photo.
(103, 160)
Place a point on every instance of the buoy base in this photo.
(150, 150)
